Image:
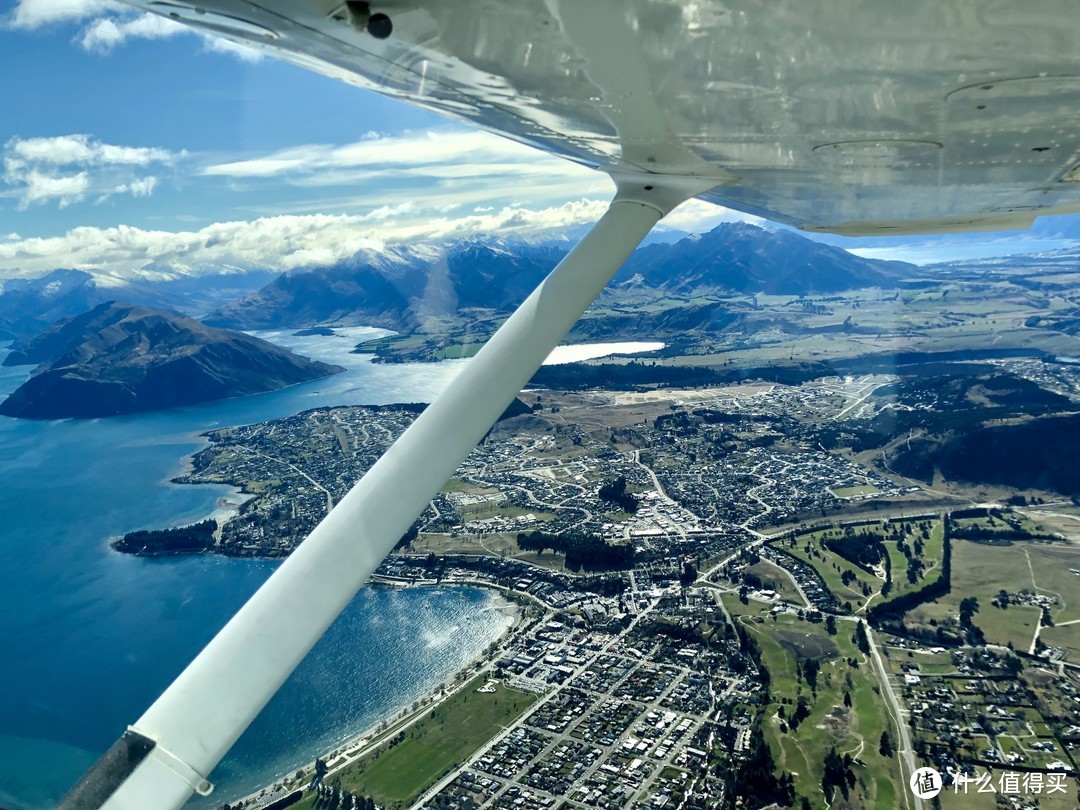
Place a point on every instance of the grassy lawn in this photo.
(933, 549)
(481, 511)
(856, 730)
(982, 570)
(460, 485)
(774, 577)
(458, 350)
(396, 776)
(1051, 565)
(501, 544)
(929, 664)
(854, 492)
(831, 567)
(988, 801)
(1011, 521)
(898, 567)
(1015, 625)
(1067, 637)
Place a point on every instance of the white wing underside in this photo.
(850, 116)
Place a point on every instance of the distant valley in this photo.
(445, 301)
(27, 306)
(740, 302)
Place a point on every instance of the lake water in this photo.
(90, 637)
(589, 351)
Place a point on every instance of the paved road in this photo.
(568, 683)
(905, 750)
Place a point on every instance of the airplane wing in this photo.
(849, 116)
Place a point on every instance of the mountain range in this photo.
(406, 289)
(119, 358)
(743, 258)
(416, 289)
(27, 306)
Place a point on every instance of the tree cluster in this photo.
(332, 797)
(179, 540)
(615, 492)
(838, 773)
(755, 781)
(862, 639)
(863, 550)
(582, 550)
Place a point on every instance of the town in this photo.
(713, 609)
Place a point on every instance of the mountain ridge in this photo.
(118, 358)
(411, 289)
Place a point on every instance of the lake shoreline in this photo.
(360, 745)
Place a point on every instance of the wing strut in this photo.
(171, 750)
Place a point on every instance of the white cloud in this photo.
(387, 211)
(30, 14)
(439, 171)
(454, 154)
(107, 25)
(142, 187)
(276, 243)
(41, 188)
(106, 33)
(696, 216)
(78, 149)
(66, 168)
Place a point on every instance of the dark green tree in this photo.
(862, 640)
(969, 606)
(885, 747)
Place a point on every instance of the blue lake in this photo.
(91, 637)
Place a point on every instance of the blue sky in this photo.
(130, 144)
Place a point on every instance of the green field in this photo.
(489, 509)
(854, 492)
(460, 485)
(456, 351)
(933, 549)
(499, 544)
(1067, 637)
(831, 567)
(776, 578)
(982, 571)
(856, 730)
(1010, 521)
(395, 776)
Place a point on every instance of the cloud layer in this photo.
(411, 187)
(275, 243)
(67, 168)
(107, 25)
(451, 154)
(439, 169)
